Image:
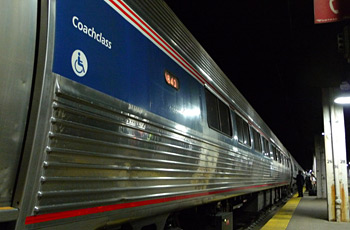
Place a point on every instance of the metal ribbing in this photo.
(95, 157)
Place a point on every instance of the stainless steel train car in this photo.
(114, 117)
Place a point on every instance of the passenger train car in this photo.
(114, 117)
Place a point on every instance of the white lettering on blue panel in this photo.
(90, 31)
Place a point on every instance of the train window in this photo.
(218, 114)
(243, 131)
(257, 141)
(266, 147)
(274, 153)
(279, 156)
(213, 116)
(225, 120)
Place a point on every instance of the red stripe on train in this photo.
(167, 48)
(154, 35)
(86, 211)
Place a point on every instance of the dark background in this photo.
(277, 57)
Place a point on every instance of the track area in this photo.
(278, 217)
(239, 213)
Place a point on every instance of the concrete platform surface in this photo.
(311, 213)
(308, 212)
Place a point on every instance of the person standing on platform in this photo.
(300, 183)
(308, 181)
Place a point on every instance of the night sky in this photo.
(278, 59)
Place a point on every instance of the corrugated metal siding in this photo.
(99, 154)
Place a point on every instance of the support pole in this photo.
(320, 167)
(335, 156)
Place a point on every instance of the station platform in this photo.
(308, 212)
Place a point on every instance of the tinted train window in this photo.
(257, 141)
(285, 161)
(225, 119)
(274, 153)
(242, 131)
(212, 113)
(266, 149)
(278, 156)
(218, 114)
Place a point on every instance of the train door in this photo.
(18, 20)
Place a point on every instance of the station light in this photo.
(343, 98)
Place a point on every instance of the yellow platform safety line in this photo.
(6, 208)
(281, 219)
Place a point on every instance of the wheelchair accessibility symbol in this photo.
(79, 63)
